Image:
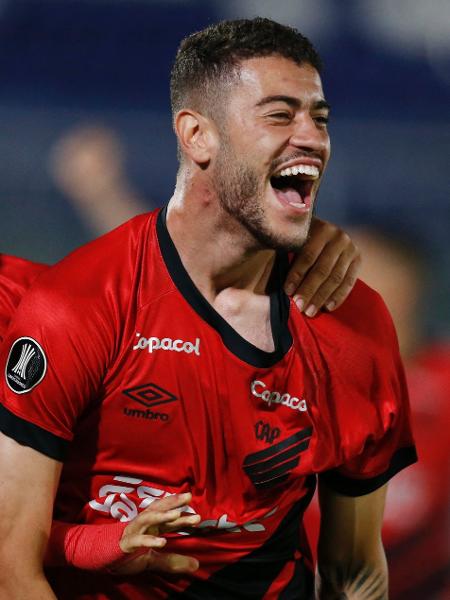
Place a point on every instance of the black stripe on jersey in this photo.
(273, 474)
(273, 470)
(348, 486)
(276, 448)
(276, 460)
(250, 577)
(29, 434)
(279, 304)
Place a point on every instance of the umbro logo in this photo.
(150, 395)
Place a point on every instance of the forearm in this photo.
(89, 547)
(354, 580)
(23, 586)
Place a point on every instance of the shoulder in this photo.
(364, 312)
(100, 269)
(16, 276)
(360, 330)
(90, 289)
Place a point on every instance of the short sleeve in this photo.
(54, 357)
(373, 404)
(16, 276)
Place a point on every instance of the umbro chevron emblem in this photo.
(149, 394)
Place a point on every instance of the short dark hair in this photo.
(211, 56)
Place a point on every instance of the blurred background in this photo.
(86, 142)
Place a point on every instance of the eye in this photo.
(280, 116)
(322, 119)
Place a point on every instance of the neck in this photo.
(216, 251)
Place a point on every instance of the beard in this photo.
(240, 190)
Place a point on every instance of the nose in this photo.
(309, 135)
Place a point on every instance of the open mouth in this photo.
(294, 185)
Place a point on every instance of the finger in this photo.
(159, 511)
(170, 502)
(342, 292)
(151, 522)
(322, 236)
(324, 293)
(133, 543)
(181, 523)
(172, 563)
(317, 275)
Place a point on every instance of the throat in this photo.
(249, 315)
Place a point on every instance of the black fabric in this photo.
(301, 586)
(251, 577)
(29, 434)
(273, 450)
(359, 487)
(279, 304)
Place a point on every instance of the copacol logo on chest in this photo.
(26, 365)
(154, 343)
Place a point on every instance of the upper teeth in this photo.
(299, 170)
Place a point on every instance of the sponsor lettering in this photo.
(125, 497)
(259, 389)
(153, 343)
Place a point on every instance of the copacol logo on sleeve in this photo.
(26, 365)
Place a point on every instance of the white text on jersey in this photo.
(114, 499)
(259, 389)
(155, 343)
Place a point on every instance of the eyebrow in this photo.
(292, 101)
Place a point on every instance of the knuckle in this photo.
(350, 280)
(307, 256)
(321, 272)
(336, 278)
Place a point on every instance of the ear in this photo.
(196, 135)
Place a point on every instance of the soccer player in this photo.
(178, 404)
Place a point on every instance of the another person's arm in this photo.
(351, 559)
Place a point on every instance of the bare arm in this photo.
(28, 482)
(351, 560)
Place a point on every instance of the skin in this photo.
(351, 560)
(213, 228)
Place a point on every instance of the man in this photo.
(191, 402)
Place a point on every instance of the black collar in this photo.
(279, 304)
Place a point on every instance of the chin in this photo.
(275, 240)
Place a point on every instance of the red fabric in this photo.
(94, 314)
(417, 520)
(89, 547)
(16, 275)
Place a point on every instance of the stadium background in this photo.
(86, 135)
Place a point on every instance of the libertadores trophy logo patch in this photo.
(26, 365)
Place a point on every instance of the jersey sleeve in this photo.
(16, 276)
(57, 349)
(373, 414)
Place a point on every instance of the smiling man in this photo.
(175, 400)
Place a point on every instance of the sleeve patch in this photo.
(26, 365)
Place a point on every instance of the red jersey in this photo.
(16, 275)
(118, 366)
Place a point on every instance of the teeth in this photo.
(299, 170)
